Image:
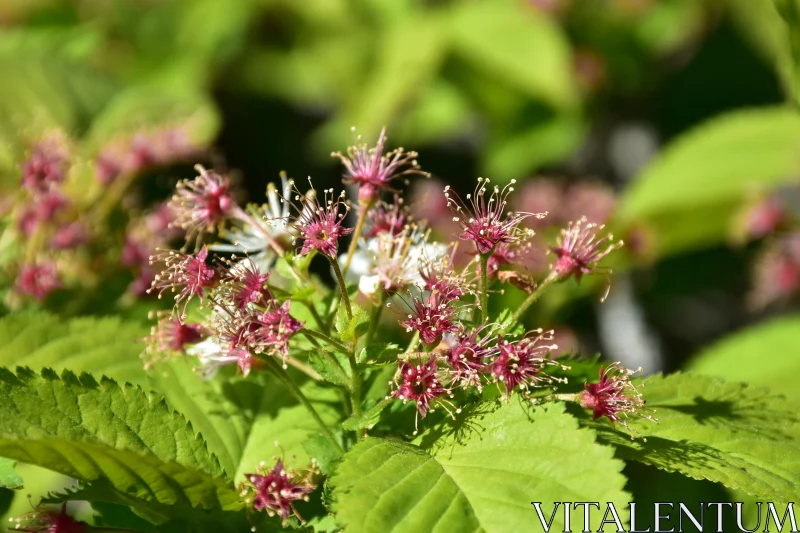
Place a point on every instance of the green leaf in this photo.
(327, 369)
(380, 353)
(8, 476)
(518, 45)
(351, 328)
(733, 357)
(689, 194)
(93, 430)
(481, 477)
(743, 437)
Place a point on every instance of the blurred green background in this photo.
(672, 120)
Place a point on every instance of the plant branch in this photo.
(484, 294)
(342, 287)
(531, 299)
(295, 390)
(351, 250)
(330, 340)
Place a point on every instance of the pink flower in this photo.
(106, 168)
(615, 397)
(319, 224)
(38, 280)
(69, 237)
(201, 204)
(441, 280)
(213, 356)
(431, 318)
(578, 249)
(468, 358)
(484, 221)
(45, 521)
(186, 274)
(777, 272)
(386, 219)
(270, 330)
(372, 171)
(45, 167)
(277, 490)
(521, 365)
(245, 285)
(171, 334)
(420, 384)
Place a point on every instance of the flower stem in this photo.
(305, 369)
(567, 397)
(355, 389)
(484, 303)
(330, 340)
(281, 374)
(375, 318)
(378, 407)
(351, 250)
(535, 295)
(342, 287)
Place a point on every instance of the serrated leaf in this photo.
(690, 192)
(743, 437)
(93, 430)
(350, 329)
(8, 475)
(481, 477)
(327, 369)
(518, 45)
(732, 357)
(379, 353)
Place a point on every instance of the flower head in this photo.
(201, 204)
(276, 490)
(467, 359)
(777, 272)
(47, 521)
(188, 275)
(484, 221)
(269, 331)
(264, 232)
(418, 382)
(579, 249)
(431, 317)
(45, 167)
(386, 219)
(373, 171)
(38, 280)
(319, 224)
(171, 335)
(615, 397)
(441, 279)
(521, 365)
(245, 284)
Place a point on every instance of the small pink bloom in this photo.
(106, 168)
(594, 201)
(38, 280)
(245, 285)
(171, 334)
(777, 272)
(441, 279)
(615, 397)
(270, 330)
(579, 249)
(484, 221)
(319, 224)
(431, 318)
(538, 196)
(372, 171)
(386, 219)
(45, 167)
(69, 237)
(521, 365)
(47, 521)
(186, 274)
(201, 204)
(276, 491)
(468, 358)
(420, 384)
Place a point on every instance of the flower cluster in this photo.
(43, 520)
(276, 490)
(440, 292)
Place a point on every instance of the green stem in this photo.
(484, 295)
(294, 389)
(378, 407)
(342, 287)
(567, 397)
(351, 251)
(414, 342)
(535, 295)
(355, 385)
(330, 340)
(308, 371)
(375, 318)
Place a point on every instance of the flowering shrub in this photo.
(399, 395)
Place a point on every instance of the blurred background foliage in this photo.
(679, 117)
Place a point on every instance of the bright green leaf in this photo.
(690, 192)
(8, 475)
(736, 358)
(93, 430)
(350, 329)
(480, 478)
(517, 44)
(743, 437)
